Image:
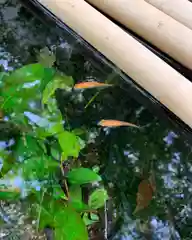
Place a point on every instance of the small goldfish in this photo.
(92, 84)
(115, 123)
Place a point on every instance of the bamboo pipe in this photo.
(153, 74)
(180, 10)
(153, 25)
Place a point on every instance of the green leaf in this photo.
(6, 194)
(75, 198)
(98, 198)
(79, 206)
(49, 91)
(18, 98)
(59, 81)
(28, 73)
(82, 176)
(66, 222)
(58, 193)
(73, 227)
(8, 161)
(41, 133)
(24, 85)
(48, 76)
(88, 221)
(75, 193)
(2, 76)
(57, 128)
(13, 102)
(27, 146)
(38, 167)
(70, 144)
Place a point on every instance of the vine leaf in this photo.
(58, 193)
(75, 193)
(8, 161)
(82, 176)
(59, 81)
(26, 79)
(49, 74)
(70, 144)
(98, 198)
(115, 123)
(91, 84)
(38, 167)
(90, 220)
(26, 74)
(9, 194)
(57, 128)
(75, 198)
(144, 195)
(65, 221)
(27, 146)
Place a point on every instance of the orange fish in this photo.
(92, 84)
(115, 123)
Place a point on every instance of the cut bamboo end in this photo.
(153, 74)
(153, 25)
(180, 10)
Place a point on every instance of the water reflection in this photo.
(125, 156)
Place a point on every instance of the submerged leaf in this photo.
(98, 198)
(93, 84)
(82, 176)
(144, 195)
(115, 123)
(46, 58)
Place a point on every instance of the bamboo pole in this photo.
(180, 10)
(153, 25)
(153, 74)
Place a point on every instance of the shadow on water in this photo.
(125, 156)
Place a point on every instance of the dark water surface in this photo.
(126, 156)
